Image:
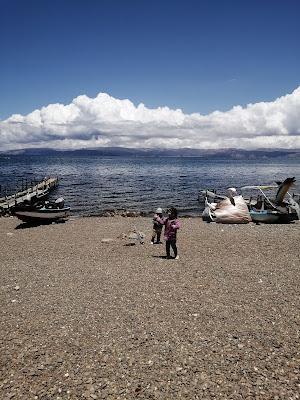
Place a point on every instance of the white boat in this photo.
(283, 209)
(46, 212)
(266, 216)
(42, 214)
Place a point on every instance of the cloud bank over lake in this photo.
(105, 121)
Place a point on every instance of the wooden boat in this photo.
(43, 212)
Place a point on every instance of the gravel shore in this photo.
(83, 318)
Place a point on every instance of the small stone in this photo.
(17, 287)
(92, 389)
(107, 240)
(138, 388)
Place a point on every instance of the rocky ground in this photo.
(87, 318)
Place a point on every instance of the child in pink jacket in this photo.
(172, 224)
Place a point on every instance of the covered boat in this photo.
(277, 207)
(227, 210)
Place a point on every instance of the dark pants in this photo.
(171, 243)
(156, 233)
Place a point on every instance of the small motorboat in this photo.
(270, 209)
(267, 216)
(43, 211)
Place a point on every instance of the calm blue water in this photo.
(93, 184)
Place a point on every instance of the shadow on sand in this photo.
(27, 225)
(164, 257)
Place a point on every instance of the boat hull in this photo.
(43, 215)
(272, 217)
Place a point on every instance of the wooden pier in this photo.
(33, 193)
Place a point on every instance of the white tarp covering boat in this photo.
(280, 208)
(231, 210)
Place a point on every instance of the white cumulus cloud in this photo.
(105, 121)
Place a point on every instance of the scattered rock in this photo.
(108, 213)
(133, 236)
(138, 389)
(107, 240)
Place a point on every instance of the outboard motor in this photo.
(60, 202)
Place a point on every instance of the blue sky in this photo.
(199, 56)
(198, 74)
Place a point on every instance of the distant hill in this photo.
(234, 154)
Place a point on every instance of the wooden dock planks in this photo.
(37, 191)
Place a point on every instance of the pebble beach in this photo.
(87, 314)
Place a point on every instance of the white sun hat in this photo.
(159, 210)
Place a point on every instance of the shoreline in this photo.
(87, 318)
(121, 213)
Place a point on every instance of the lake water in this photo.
(94, 184)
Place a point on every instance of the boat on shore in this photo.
(272, 208)
(277, 207)
(231, 209)
(43, 212)
(270, 217)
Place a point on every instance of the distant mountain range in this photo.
(234, 154)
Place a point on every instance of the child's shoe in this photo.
(176, 258)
